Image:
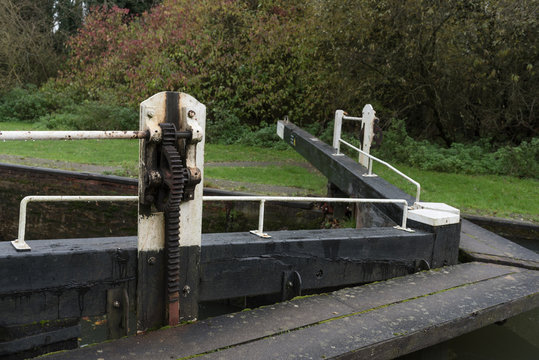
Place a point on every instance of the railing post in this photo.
(20, 244)
(261, 217)
(337, 125)
(368, 133)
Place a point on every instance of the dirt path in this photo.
(57, 164)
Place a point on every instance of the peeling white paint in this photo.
(151, 232)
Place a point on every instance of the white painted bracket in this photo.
(260, 234)
(21, 245)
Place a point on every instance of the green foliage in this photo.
(287, 175)
(23, 104)
(476, 158)
(225, 128)
(248, 60)
(265, 136)
(60, 110)
(456, 70)
(92, 116)
(522, 160)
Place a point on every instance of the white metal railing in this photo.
(263, 199)
(367, 125)
(71, 135)
(21, 245)
(371, 158)
(365, 158)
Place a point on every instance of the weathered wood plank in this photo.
(401, 328)
(467, 295)
(479, 244)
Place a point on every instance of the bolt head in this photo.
(116, 304)
(191, 113)
(152, 260)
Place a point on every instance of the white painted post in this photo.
(151, 299)
(368, 133)
(193, 118)
(337, 126)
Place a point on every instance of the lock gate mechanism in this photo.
(167, 182)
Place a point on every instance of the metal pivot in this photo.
(291, 285)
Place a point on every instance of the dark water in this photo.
(515, 339)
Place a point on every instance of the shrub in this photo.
(224, 127)
(92, 116)
(237, 55)
(23, 104)
(475, 158)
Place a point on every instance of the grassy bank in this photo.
(502, 196)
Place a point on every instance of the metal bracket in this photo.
(260, 234)
(291, 285)
(403, 229)
(21, 245)
(117, 313)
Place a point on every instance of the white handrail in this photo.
(264, 199)
(371, 158)
(21, 245)
(70, 135)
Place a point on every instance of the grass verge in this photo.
(286, 175)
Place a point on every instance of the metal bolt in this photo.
(191, 113)
(150, 113)
(186, 290)
(151, 260)
(290, 284)
(116, 304)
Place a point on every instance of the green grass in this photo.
(490, 195)
(99, 152)
(501, 196)
(224, 153)
(125, 152)
(287, 175)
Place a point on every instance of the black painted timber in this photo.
(61, 281)
(376, 321)
(45, 292)
(344, 172)
(233, 264)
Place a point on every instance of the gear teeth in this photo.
(176, 181)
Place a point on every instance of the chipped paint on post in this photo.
(368, 133)
(151, 232)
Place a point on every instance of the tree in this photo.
(27, 52)
(455, 70)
